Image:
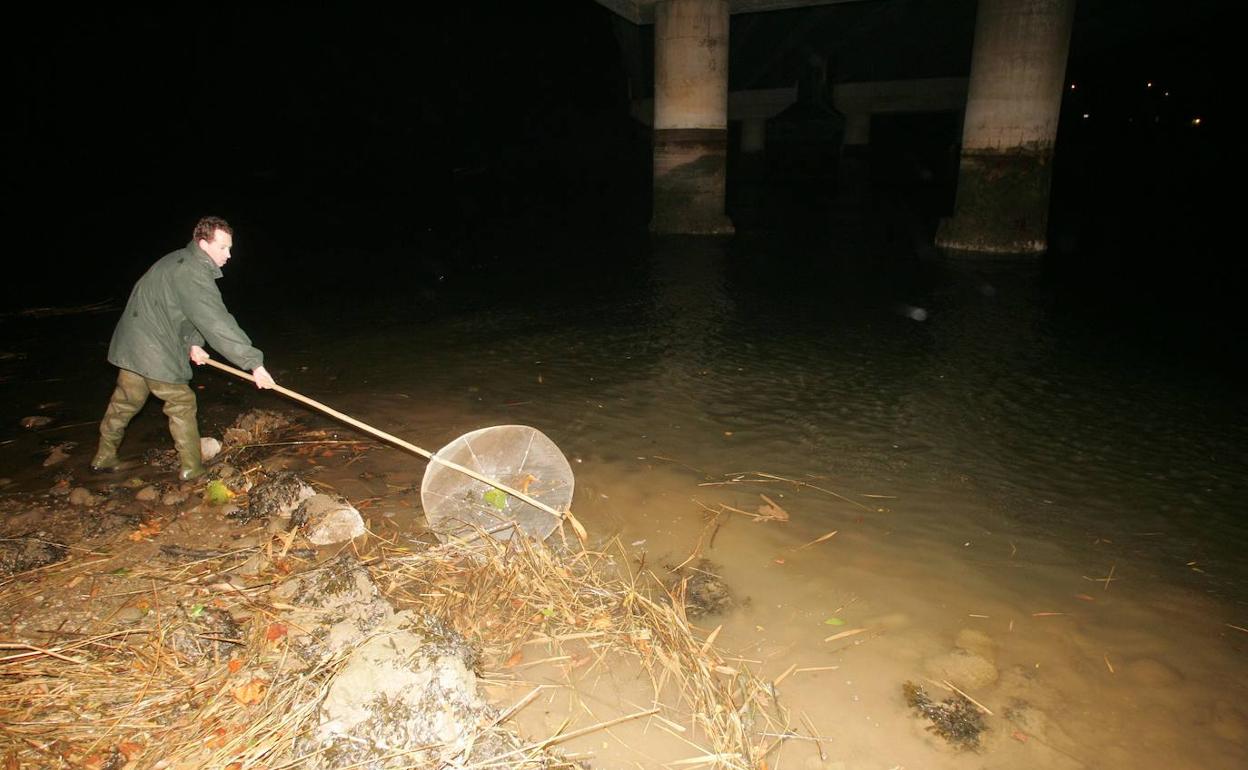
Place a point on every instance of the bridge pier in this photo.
(1014, 98)
(690, 117)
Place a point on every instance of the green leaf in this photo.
(834, 622)
(196, 610)
(496, 498)
(548, 612)
(121, 571)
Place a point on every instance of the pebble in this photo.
(146, 494)
(82, 496)
(173, 498)
(129, 615)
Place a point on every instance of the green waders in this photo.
(128, 398)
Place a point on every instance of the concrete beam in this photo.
(642, 11)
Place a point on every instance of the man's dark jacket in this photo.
(176, 304)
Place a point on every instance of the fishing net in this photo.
(518, 456)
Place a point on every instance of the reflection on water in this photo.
(992, 464)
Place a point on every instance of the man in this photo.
(173, 310)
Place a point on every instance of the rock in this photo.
(278, 496)
(256, 425)
(977, 643)
(146, 494)
(225, 471)
(82, 496)
(129, 615)
(706, 593)
(336, 606)
(1152, 673)
(209, 448)
(34, 422)
(176, 497)
(58, 455)
(327, 519)
(410, 684)
(964, 669)
(204, 633)
(37, 549)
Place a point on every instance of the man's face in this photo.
(218, 249)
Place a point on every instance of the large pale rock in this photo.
(332, 608)
(327, 519)
(410, 684)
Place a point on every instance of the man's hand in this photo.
(199, 355)
(263, 378)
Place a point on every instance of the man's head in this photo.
(215, 236)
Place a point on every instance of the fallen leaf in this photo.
(275, 631)
(217, 740)
(515, 659)
(1019, 736)
(234, 665)
(251, 693)
(145, 530)
(130, 749)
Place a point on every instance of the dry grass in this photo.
(124, 699)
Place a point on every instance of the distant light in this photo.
(1086, 116)
(1195, 121)
(1167, 93)
(1150, 84)
(1072, 86)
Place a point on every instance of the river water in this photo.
(993, 456)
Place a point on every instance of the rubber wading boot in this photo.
(180, 407)
(127, 399)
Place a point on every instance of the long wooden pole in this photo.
(564, 515)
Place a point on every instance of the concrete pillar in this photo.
(690, 116)
(857, 129)
(854, 169)
(753, 135)
(1014, 97)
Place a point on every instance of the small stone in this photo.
(977, 642)
(1153, 673)
(57, 456)
(129, 615)
(209, 448)
(147, 494)
(964, 669)
(173, 498)
(82, 496)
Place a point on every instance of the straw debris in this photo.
(370, 657)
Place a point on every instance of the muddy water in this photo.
(990, 459)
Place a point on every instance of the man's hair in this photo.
(206, 228)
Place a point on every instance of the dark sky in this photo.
(390, 123)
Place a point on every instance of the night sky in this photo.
(334, 127)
